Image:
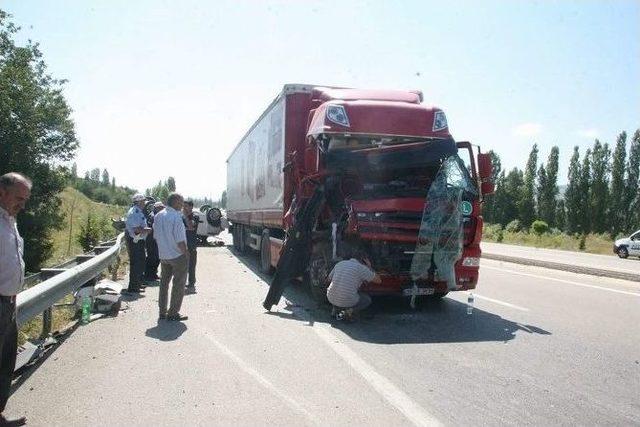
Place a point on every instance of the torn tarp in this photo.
(441, 233)
(296, 252)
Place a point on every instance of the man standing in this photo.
(15, 190)
(153, 261)
(191, 225)
(137, 231)
(346, 278)
(170, 234)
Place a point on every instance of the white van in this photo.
(629, 246)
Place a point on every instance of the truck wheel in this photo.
(316, 278)
(242, 246)
(437, 296)
(236, 237)
(623, 252)
(265, 253)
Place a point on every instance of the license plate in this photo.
(419, 291)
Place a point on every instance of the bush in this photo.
(583, 242)
(539, 227)
(90, 233)
(514, 226)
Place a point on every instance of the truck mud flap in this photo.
(440, 238)
(297, 248)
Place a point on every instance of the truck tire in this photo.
(205, 208)
(437, 296)
(235, 237)
(265, 253)
(316, 278)
(623, 252)
(242, 239)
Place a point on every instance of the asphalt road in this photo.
(605, 262)
(542, 347)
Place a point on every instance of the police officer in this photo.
(137, 231)
(153, 260)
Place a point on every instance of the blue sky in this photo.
(165, 88)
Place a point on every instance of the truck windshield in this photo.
(440, 238)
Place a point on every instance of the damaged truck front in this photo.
(374, 170)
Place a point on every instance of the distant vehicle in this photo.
(211, 222)
(628, 246)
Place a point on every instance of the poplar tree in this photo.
(632, 192)
(600, 169)
(488, 210)
(617, 209)
(526, 198)
(573, 196)
(585, 194)
(548, 188)
(561, 216)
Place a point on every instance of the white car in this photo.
(211, 222)
(629, 246)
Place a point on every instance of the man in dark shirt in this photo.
(153, 259)
(191, 225)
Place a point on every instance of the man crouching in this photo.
(346, 279)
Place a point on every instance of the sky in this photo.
(168, 88)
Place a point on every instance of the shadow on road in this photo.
(166, 331)
(394, 322)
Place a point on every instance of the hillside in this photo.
(76, 206)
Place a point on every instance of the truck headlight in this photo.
(338, 115)
(439, 121)
(471, 262)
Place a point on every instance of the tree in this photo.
(223, 200)
(527, 207)
(74, 170)
(94, 175)
(171, 184)
(632, 192)
(36, 133)
(507, 195)
(561, 216)
(617, 208)
(600, 168)
(90, 233)
(585, 194)
(548, 188)
(105, 177)
(572, 195)
(113, 183)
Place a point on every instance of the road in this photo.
(605, 262)
(542, 347)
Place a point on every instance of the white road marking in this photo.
(496, 301)
(262, 380)
(584, 285)
(389, 391)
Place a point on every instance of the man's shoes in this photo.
(190, 290)
(177, 318)
(142, 286)
(12, 422)
(135, 291)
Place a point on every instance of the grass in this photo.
(76, 207)
(594, 243)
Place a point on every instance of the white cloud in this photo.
(527, 129)
(589, 133)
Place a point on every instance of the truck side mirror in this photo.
(485, 170)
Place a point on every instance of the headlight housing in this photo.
(338, 115)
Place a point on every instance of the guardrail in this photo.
(62, 280)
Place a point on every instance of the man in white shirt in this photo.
(15, 190)
(346, 278)
(170, 234)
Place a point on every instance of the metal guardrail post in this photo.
(47, 322)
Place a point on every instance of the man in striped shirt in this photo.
(346, 279)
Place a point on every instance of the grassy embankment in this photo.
(76, 206)
(593, 243)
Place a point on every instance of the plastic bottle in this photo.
(86, 310)
(470, 304)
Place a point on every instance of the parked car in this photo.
(628, 246)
